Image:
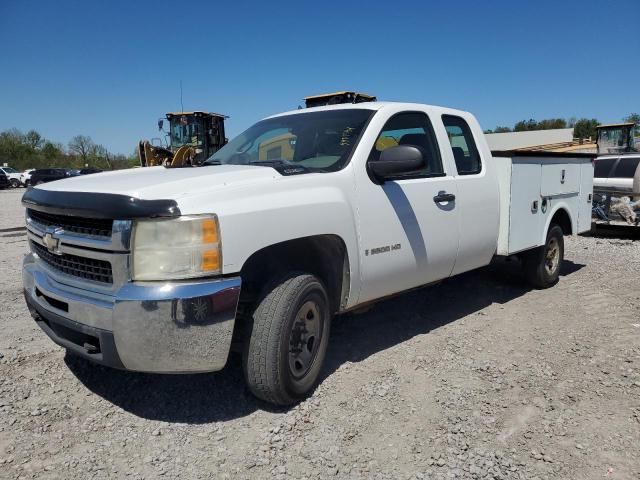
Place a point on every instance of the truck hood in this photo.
(152, 183)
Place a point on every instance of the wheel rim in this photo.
(304, 339)
(552, 256)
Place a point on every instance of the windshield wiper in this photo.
(268, 163)
(212, 162)
(281, 166)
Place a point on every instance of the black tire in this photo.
(542, 265)
(275, 342)
(39, 182)
(15, 183)
(27, 183)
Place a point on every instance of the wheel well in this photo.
(561, 218)
(322, 255)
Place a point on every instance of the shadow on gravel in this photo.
(356, 337)
(621, 232)
(194, 399)
(221, 396)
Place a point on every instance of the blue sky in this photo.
(111, 69)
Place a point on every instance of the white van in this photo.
(618, 174)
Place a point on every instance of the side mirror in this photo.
(160, 124)
(397, 160)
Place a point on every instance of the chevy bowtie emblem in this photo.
(52, 243)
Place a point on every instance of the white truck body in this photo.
(555, 184)
(394, 233)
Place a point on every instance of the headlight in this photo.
(184, 247)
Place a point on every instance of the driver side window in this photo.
(411, 128)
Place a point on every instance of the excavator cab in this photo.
(193, 137)
(616, 138)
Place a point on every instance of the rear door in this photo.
(478, 197)
(408, 236)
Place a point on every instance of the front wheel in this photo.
(15, 183)
(287, 341)
(542, 265)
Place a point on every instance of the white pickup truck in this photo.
(305, 215)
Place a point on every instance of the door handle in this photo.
(444, 197)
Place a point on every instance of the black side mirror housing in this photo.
(398, 160)
(160, 124)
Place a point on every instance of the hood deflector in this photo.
(98, 205)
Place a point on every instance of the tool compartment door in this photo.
(559, 178)
(586, 196)
(525, 220)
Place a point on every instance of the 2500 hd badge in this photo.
(385, 249)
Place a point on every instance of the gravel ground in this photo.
(478, 377)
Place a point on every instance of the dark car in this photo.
(4, 181)
(44, 175)
(87, 171)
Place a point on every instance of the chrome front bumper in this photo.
(163, 327)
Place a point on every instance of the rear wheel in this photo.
(287, 341)
(39, 182)
(542, 265)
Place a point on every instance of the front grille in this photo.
(83, 226)
(82, 267)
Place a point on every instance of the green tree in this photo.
(525, 125)
(585, 128)
(51, 150)
(83, 147)
(32, 150)
(502, 130)
(33, 139)
(552, 123)
(632, 118)
(101, 158)
(531, 124)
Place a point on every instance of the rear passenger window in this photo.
(463, 146)
(411, 128)
(603, 167)
(626, 168)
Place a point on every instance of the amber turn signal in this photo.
(210, 261)
(209, 231)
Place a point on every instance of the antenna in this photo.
(181, 104)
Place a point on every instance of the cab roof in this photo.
(374, 106)
(630, 124)
(196, 113)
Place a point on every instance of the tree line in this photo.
(582, 128)
(30, 150)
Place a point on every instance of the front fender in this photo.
(286, 209)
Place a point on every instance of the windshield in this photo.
(186, 131)
(313, 142)
(10, 170)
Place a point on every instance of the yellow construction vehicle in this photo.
(192, 138)
(616, 138)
